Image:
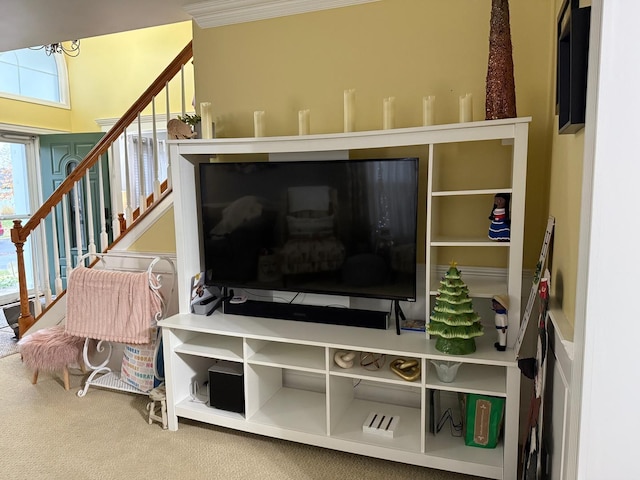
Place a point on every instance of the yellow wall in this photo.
(160, 238)
(407, 49)
(14, 112)
(565, 197)
(112, 71)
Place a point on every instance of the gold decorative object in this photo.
(501, 90)
(407, 369)
(372, 361)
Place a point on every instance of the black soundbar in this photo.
(309, 313)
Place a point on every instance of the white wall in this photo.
(605, 370)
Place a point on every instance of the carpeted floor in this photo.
(49, 433)
(8, 342)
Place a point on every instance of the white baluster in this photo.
(76, 208)
(104, 238)
(142, 203)
(166, 87)
(56, 252)
(182, 92)
(67, 237)
(156, 164)
(45, 264)
(128, 211)
(91, 248)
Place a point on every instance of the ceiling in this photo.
(27, 23)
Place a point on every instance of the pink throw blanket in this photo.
(110, 305)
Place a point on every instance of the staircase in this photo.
(42, 224)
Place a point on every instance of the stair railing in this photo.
(66, 202)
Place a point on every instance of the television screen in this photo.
(342, 227)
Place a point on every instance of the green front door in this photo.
(59, 156)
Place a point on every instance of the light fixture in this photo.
(73, 50)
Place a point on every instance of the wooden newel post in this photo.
(26, 318)
(123, 222)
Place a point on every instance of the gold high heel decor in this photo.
(407, 369)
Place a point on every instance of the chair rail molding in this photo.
(216, 13)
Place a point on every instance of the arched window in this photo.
(33, 76)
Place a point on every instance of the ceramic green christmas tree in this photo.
(453, 320)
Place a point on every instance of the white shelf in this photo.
(383, 375)
(294, 409)
(484, 461)
(472, 378)
(290, 355)
(457, 193)
(406, 437)
(478, 287)
(213, 346)
(481, 241)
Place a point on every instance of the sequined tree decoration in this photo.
(501, 90)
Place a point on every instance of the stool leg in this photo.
(163, 405)
(34, 379)
(65, 377)
(151, 407)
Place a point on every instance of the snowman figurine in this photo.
(500, 305)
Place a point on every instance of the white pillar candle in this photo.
(429, 110)
(388, 113)
(349, 110)
(304, 122)
(466, 108)
(258, 123)
(206, 122)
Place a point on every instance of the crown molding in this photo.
(216, 13)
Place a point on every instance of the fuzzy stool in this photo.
(158, 394)
(51, 349)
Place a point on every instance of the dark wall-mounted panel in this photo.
(572, 63)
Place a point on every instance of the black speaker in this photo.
(226, 386)
(310, 313)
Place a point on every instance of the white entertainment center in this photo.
(292, 387)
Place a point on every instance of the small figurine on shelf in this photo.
(500, 228)
(500, 305)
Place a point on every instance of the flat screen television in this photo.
(337, 227)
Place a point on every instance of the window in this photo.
(142, 165)
(32, 75)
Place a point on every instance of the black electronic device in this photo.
(310, 313)
(334, 227)
(226, 386)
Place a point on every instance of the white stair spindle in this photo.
(45, 264)
(78, 223)
(182, 92)
(166, 87)
(67, 235)
(156, 164)
(128, 211)
(91, 246)
(56, 252)
(104, 238)
(37, 306)
(142, 203)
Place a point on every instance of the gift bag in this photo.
(482, 419)
(141, 367)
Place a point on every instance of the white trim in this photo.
(11, 128)
(146, 122)
(215, 13)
